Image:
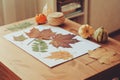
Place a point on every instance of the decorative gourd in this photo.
(100, 35)
(40, 19)
(85, 31)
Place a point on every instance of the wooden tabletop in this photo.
(29, 68)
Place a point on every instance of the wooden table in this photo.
(28, 68)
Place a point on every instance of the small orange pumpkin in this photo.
(85, 31)
(40, 18)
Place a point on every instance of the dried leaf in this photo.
(34, 33)
(97, 53)
(60, 40)
(46, 34)
(104, 60)
(20, 26)
(107, 59)
(19, 38)
(39, 46)
(60, 55)
(115, 58)
(104, 56)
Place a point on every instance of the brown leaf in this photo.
(115, 58)
(97, 53)
(34, 33)
(107, 59)
(104, 56)
(46, 34)
(60, 40)
(60, 55)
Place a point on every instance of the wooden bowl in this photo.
(56, 18)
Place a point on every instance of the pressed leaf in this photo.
(34, 33)
(109, 57)
(46, 34)
(104, 56)
(97, 53)
(60, 40)
(19, 38)
(115, 58)
(20, 26)
(60, 55)
(39, 46)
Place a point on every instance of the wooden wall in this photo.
(104, 13)
(15, 10)
(1, 13)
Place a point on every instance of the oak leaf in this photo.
(60, 40)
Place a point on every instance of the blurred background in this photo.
(96, 13)
(16, 10)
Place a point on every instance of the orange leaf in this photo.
(60, 55)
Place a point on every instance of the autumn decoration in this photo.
(39, 46)
(20, 26)
(57, 40)
(104, 56)
(64, 41)
(34, 33)
(19, 38)
(85, 31)
(100, 35)
(60, 55)
(56, 18)
(41, 18)
(46, 34)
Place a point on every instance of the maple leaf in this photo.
(60, 55)
(19, 38)
(46, 34)
(60, 40)
(34, 33)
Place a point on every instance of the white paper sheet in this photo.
(78, 49)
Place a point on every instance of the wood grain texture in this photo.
(6, 74)
(29, 68)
